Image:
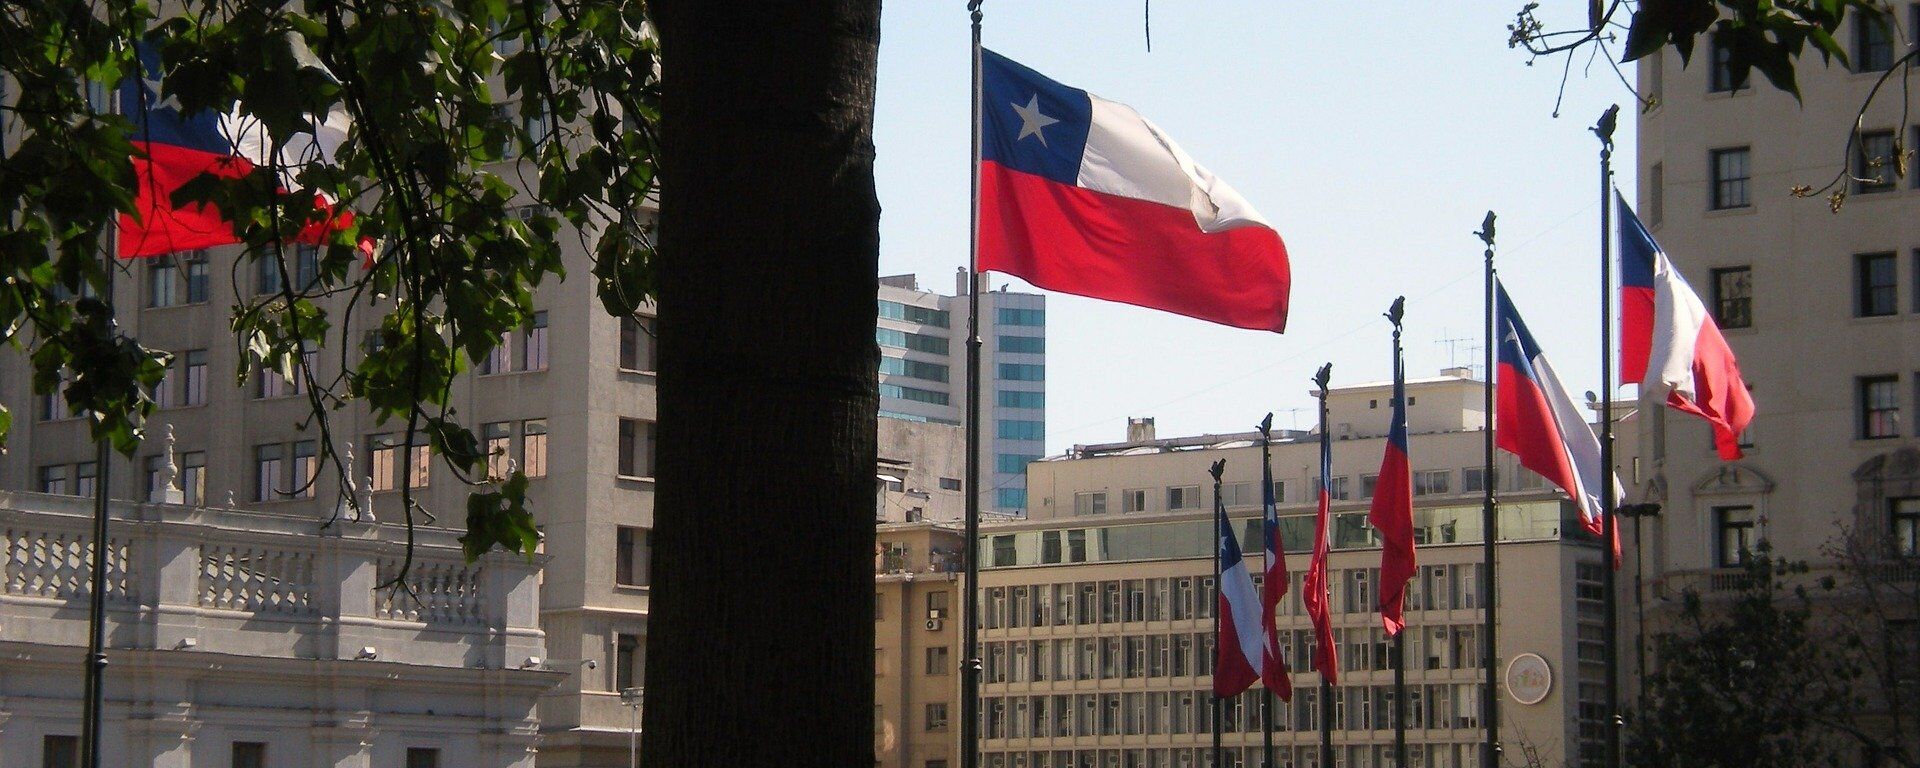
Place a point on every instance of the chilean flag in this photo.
(1237, 635)
(1313, 590)
(173, 148)
(1082, 195)
(1537, 421)
(1273, 583)
(1392, 512)
(1665, 331)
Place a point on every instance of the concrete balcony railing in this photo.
(262, 584)
(1710, 583)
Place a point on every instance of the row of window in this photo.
(1419, 755)
(63, 751)
(1426, 482)
(1873, 167)
(1014, 398)
(914, 394)
(1021, 429)
(1438, 706)
(1442, 587)
(917, 369)
(893, 310)
(1155, 656)
(1873, 49)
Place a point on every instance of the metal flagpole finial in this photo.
(1608, 121)
(1217, 469)
(1266, 427)
(1321, 378)
(1396, 312)
(973, 11)
(1486, 230)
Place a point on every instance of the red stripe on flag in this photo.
(1074, 240)
(1636, 332)
(1392, 515)
(1524, 426)
(163, 228)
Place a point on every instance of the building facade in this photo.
(1097, 609)
(918, 576)
(252, 638)
(1821, 305)
(922, 338)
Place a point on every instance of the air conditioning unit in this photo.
(933, 625)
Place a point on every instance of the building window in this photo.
(1431, 482)
(1873, 162)
(53, 403)
(937, 717)
(1656, 192)
(938, 662)
(1022, 372)
(1733, 297)
(1722, 78)
(533, 447)
(249, 754)
(269, 461)
(306, 267)
(1034, 345)
(1016, 316)
(535, 357)
(1731, 173)
(163, 283)
(266, 274)
(419, 462)
(1010, 498)
(1133, 500)
(1339, 489)
(1021, 429)
(59, 751)
(52, 479)
(1090, 503)
(636, 448)
(193, 477)
(918, 369)
(1368, 483)
(85, 475)
(1012, 463)
(423, 757)
(1473, 480)
(893, 310)
(1183, 497)
(1009, 398)
(1734, 541)
(500, 358)
(630, 557)
(1875, 294)
(153, 473)
(306, 468)
(628, 661)
(496, 439)
(193, 384)
(949, 483)
(639, 343)
(1872, 41)
(1904, 516)
(194, 263)
(1879, 406)
(912, 394)
(382, 457)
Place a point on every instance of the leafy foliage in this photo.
(485, 133)
(1746, 682)
(1768, 36)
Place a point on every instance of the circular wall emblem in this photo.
(1529, 679)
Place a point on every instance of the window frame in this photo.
(1724, 524)
(1869, 424)
(1866, 294)
(1884, 180)
(1721, 188)
(1724, 306)
(1720, 77)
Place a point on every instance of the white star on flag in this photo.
(1031, 121)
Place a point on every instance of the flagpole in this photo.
(1326, 686)
(1489, 522)
(94, 694)
(970, 668)
(1219, 515)
(1399, 638)
(1267, 552)
(1604, 130)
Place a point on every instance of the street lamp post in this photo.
(633, 698)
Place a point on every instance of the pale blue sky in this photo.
(1373, 139)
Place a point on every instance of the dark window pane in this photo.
(1733, 297)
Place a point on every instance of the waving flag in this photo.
(1313, 590)
(1666, 333)
(1237, 635)
(1392, 510)
(1537, 421)
(175, 148)
(1273, 583)
(1083, 195)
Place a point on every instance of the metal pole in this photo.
(1220, 530)
(1604, 129)
(1268, 550)
(1489, 522)
(633, 735)
(1326, 686)
(970, 632)
(1399, 638)
(93, 701)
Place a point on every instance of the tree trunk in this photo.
(759, 647)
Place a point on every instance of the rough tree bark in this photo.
(758, 652)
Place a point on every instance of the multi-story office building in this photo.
(916, 645)
(1097, 610)
(923, 359)
(1821, 306)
